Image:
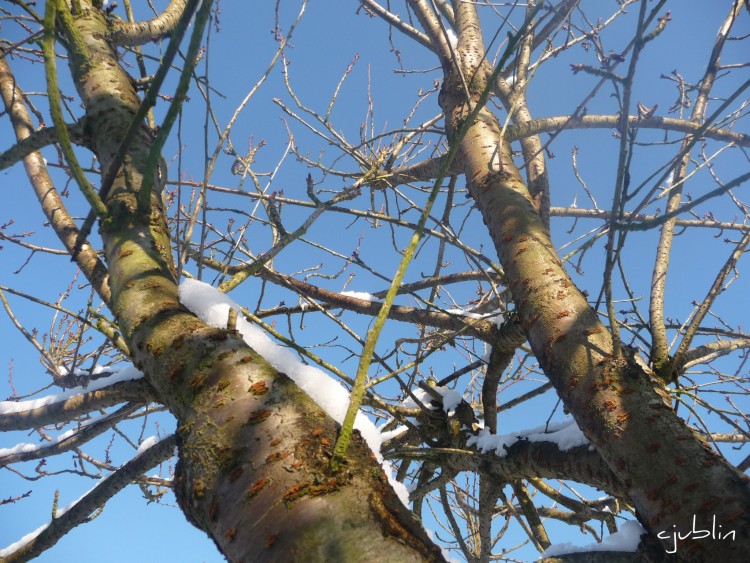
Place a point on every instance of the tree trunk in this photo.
(675, 480)
(254, 450)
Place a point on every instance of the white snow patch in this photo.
(26, 447)
(464, 313)
(121, 374)
(565, 434)
(23, 541)
(497, 316)
(452, 38)
(361, 295)
(146, 444)
(212, 306)
(626, 539)
(422, 396)
(451, 399)
(391, 434)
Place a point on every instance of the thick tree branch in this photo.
(38, 140)
(51, 203)
(67, 409)
(614, 401)
(132, 34)
(67, 443)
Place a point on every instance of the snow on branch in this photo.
(67, 440)
(212, 307)
(125, 374)
(625, 540)
(565, 434)
(67, 518)
(123, 385)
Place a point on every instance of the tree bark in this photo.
(254, 450)
(671, 475)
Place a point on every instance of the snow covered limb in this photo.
(72, 403)
(68, 440)
(36, 542)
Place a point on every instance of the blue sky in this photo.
(324, 44)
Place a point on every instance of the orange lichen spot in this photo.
(572, 384)
(271, 539)
(235, 474)
(507, 237)
(277, 456)
(125, 253)
(564, 313)
(296, 491)
(590, 331)
(521, 250)
(275, 442)
(610, 405)
(257, 487)
(246, 359)
(231, 532)
(623, 417)
(317, 432)
(324, 441)
(259, 388)
(197, 381)
(323, 488)
(258, 416)
(523, 239)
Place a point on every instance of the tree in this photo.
(485, 324)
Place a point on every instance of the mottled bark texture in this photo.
(254, 450)
(669, 473)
